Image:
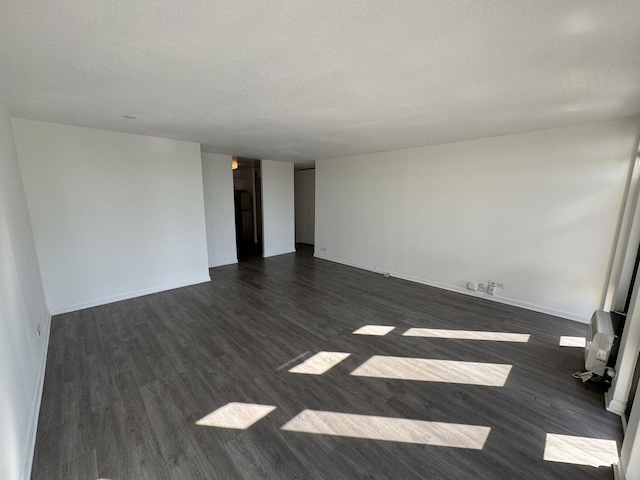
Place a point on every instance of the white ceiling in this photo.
(303, 80)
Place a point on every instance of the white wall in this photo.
(629, 463)
(278, 208)
(538, 211)
(114, 215)
(22, 309)
(217, 178)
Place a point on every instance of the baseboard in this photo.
(613, 405)
(127, 296)
(618, 471)
(275, 253)
(223, 261)
(464, 291)
(35, 407)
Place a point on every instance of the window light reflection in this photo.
(427, 370)
(594, 452)
(467, 335)
(376, 330)
(320, 363)
(389, 429)
(572, 342)
(236, 415)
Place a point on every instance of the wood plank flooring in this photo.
(127, 383)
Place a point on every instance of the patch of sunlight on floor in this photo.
(573, 342)
(594, 452)
(427, 370)
(377, 330)
(293, 360)
(467, 335)
(239, 416)
(389, 429)
(320, 363)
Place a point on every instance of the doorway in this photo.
(247, 186)
(305, 193)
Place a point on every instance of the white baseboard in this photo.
(275, 253)
(126, 296)
(464, 291)
(618, 471)
(613, 405)
(223, 261)
(27, 464)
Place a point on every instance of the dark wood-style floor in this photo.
(127, 382)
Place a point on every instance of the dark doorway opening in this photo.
(247, 184)
(305, 206)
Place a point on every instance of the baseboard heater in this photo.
(601, 348)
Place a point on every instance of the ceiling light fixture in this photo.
(234, 163)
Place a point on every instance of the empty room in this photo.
(319, 240)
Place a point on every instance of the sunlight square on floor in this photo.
(428, 370)
(236, 415)
(374, 330)
(389, 429)
(579, 342)
(467, 335)
(595, 452)
(320, 363)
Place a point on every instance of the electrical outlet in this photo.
(497, 284)
(323, 249)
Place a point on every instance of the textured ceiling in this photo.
(305, 80)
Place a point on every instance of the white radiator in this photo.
(600, 338)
